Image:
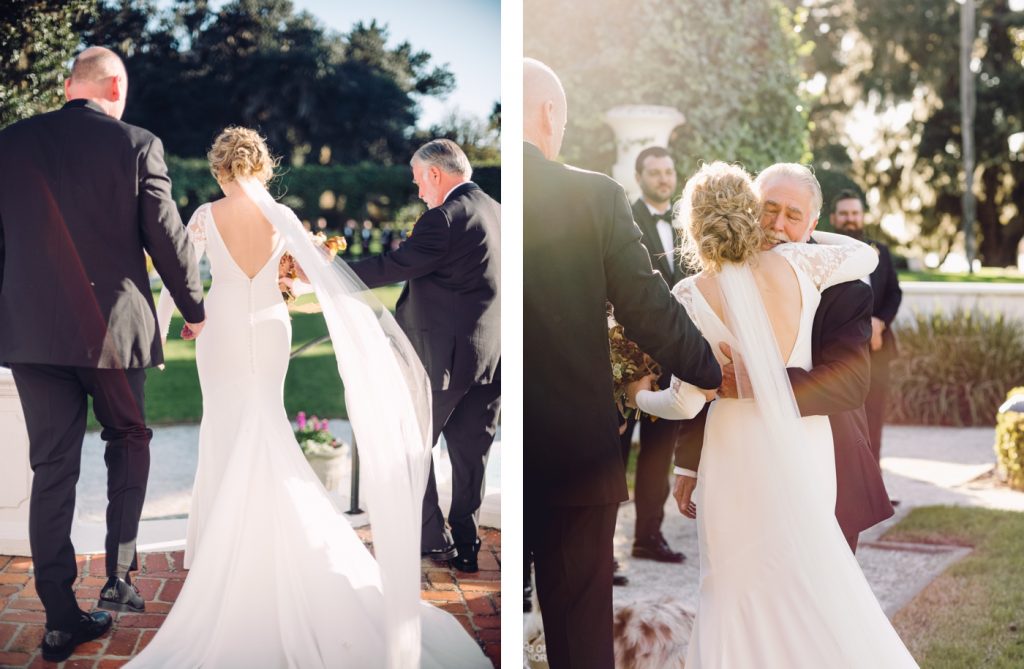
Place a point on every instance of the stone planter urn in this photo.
(637, 127)
(16, 474)
(329, 467)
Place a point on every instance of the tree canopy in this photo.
(319, 96)
(900, 61)
(730, 67)
(37, 38)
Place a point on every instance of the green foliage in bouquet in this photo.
(953, 369)
(1010, 443)
(628, 364)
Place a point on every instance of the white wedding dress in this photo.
(779, 586)
(278, 577)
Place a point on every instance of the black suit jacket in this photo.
(450, 307)
(661, 258)
(836, 387)
(81, 196)
(887, 297)
(581, 249)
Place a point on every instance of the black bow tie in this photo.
(667, 217)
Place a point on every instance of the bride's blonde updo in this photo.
(238, 153)
(719, 214)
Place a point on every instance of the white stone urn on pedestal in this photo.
(15, 474)
(637, 127)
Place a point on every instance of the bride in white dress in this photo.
(779, 586)
(278, 578)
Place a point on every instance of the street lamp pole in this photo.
(967, 103)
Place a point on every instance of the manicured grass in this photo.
(985, 275)
(312, 384)
(973, 614)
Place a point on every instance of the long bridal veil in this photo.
(387, 393)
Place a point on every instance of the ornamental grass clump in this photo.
(954, 369)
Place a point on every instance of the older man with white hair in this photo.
(836, 386)
(581, 250)
(450, 308)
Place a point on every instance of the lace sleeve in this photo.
(196, 230)
(834, 259)
(680, 400)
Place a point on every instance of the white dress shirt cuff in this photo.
(681, 471)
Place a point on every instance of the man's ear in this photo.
(67, 90)
(814, 225)
(114, 90)
(548, 117)
(435, 174)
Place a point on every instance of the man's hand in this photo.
(728, 388)
(683, 492)
(877, 328)
(635, 387)
(191, 330)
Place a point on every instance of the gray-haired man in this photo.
(450, 309)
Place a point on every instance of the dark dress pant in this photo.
(468, 418)
(55, 401)
(572, 558)
(653, 464)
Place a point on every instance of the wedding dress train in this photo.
(277, 576)
(779, 586)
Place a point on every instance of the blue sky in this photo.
(465, 34)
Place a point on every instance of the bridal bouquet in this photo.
(314, 436)
(288, 270)
(628, 363)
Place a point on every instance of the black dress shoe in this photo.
(617, 578)
(465, 560)
(121, 595)
(59, 645)
(443, 553)
(894, 502)
(656, 548)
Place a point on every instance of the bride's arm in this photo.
(165, 306)
(833, 259)
(680, 401)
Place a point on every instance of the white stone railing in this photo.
(931, 296)
(15, 474)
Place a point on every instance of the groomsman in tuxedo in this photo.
(838, 383)
(450, 308)
(652, 211)
(582, 249)
(848, 218)
(83, 198)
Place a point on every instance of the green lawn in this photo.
(985, 275)
(973, 614)
(312, 384)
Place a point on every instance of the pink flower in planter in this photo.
(301, 420)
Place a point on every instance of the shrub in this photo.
(954, 369)
(1010, 444)
(335, 193)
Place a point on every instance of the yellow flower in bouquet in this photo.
(628, 363)
(288, 270)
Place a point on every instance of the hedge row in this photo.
(335, 193)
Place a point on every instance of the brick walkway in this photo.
(475, 599)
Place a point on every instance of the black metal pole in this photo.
(353, 507)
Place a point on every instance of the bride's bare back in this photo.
(248, 236)
(780, 293)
